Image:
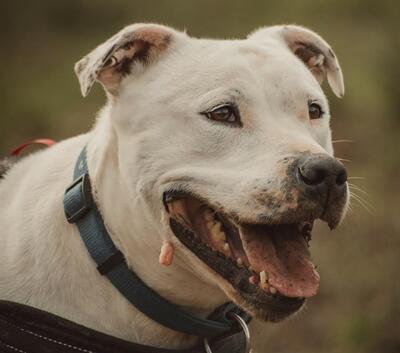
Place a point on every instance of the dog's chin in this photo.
(265, 269)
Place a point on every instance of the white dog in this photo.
(209, 164)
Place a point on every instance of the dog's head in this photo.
(228, 142)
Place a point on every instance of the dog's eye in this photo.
(224, 113)
(315, 111)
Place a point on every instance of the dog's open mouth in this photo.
(266, 264)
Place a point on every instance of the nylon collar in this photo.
(81, 209)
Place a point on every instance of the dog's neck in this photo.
(138, 234)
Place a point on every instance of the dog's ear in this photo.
(308, 46)
(113, 59)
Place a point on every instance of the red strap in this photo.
(45, 142)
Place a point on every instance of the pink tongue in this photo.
(283, 253)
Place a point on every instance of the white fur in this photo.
(150, 135)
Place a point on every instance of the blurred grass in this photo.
(358, 308)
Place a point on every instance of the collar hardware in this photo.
(243, 324)
(81, 201)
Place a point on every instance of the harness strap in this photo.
(45, 142)
(28, 330)
(81, 209)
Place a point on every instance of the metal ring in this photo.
(245, 329)
(207, 346)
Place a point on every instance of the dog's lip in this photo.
(281, 282)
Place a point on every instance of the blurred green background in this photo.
(358, 307)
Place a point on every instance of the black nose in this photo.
(320, 169)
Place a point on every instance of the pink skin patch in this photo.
(166, 254)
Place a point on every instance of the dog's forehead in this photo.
(230, 55)
(246, 64)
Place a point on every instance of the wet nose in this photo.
(322, 170)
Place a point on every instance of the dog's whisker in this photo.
(349, 209)
(366, 208)
(343, 160)
(353, 187)
(353, 192)
(342, 141)
(356, 187)
(356, 177)
(366, 205)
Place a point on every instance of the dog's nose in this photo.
(322, 170)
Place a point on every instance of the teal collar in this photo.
(81, 210)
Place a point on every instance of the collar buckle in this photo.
(78, 199)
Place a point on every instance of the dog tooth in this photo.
(226, 247)
(273, 290)
(264, 276)
(218, 237)
(210, 225)
(216, 228)
(239, 262)
(222, 235)
(264, 280)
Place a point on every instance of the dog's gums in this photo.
(258, 260)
